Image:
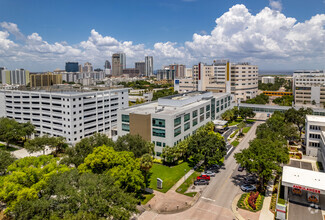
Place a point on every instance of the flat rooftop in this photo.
(303, 177)
(157, 108)
(315, 118)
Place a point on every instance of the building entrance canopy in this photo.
(302, 179)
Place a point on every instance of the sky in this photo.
(41, 35)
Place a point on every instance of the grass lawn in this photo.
(235, 143)
(246, 129)
(169, 175)
(188, 182)
(191, 194)
(3, 147)
(236, 122)
(146, 198)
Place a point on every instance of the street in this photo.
(216, 199)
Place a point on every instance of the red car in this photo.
(203, 177)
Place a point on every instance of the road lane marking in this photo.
(208, 199)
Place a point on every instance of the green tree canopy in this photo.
(135, 144)
(77, 154)
(71, 195)
(297, 117)
(9, 130)
(26, 178)
(262, 157)
(6, 158)
(246, 113)
(123, 166)
(207, 145)
(146, 163)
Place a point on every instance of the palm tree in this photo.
(145, 165)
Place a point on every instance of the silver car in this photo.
(209, 173)
(248, 187)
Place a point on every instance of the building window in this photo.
(158, 122)
(125, 127)
(177, 131)
(221, 101)
(194, 113)
(186, 126)
(316, 136)
(207, 108)
(158, 132)
(187, 117)
(312, 144)
(201, 118)
(164, 144)
(158, 154)
(202, 110)
(314, 127)
(158, 144)
(217, 103)
(194, 122)
(177, 121)
(125, 118)
(207, 115)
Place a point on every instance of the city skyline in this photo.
(265, 34)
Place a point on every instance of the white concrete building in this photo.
(309, 87)
(73, 114)
(241, 79)
(315, 137)
(268, 79)
(172, 119)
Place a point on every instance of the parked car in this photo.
(209, 173)
(201, 182)
(240, 168)
(250, 179)
(203, 177)
(248, 187)
(214, 167)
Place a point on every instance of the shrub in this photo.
(155, 160)
(252, 200)
(233, 134)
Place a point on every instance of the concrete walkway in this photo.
(171, 201)
(266, 214)
(24, 153)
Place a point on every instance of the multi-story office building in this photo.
(73, 114)
(166, 74)
(188, 72)
(172, 119)
(309, 87)
(71, 67)
(15, 77)
(131, 72)
(107, 65)
(88, 67)
(240, 79)
(118, 63)
(179, 70)
(148, 66)
(315, 137)
(140, 66)
(268, 79)
(45, 79)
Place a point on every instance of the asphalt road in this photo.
(216, 199)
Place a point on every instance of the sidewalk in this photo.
(171, 201)
(265, 212)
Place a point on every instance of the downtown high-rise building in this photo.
(148, 66)
(140, 66)
(71, 67)
(107, 65)
(88, 67)
(179, 70)
(15, 77)
(118, 63)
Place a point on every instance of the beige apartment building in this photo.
(45, 79)
(241, 79)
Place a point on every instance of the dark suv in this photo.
(201, 182)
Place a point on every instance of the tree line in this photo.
(268, 151)
(95, 179)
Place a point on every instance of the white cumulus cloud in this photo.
(266, 38)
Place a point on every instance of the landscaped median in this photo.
(188, 182)
(169, 175)
(252, 201)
